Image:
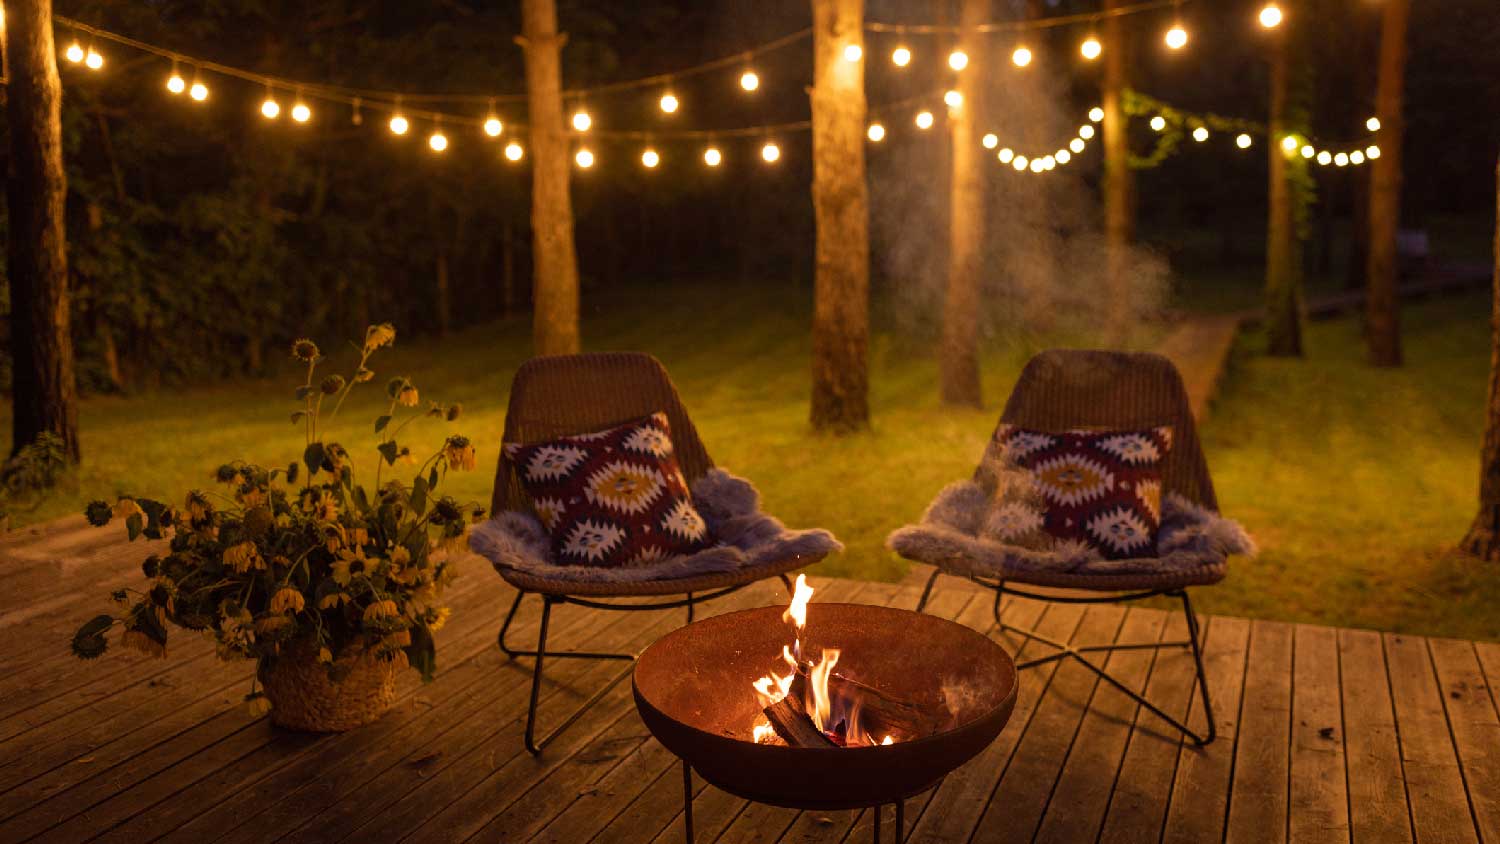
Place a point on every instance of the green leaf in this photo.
(432, 478)
(313, 458)
(297, 417)
(419, 496)
(389, 451)
(381, 423)
(361, 499)
(134, 524)
(422, 652)
(304, 391)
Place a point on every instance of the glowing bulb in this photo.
(990, 141)
(1096, 114)
(438, 141)
(876, 132)
(1200, 134)
(74, 53)
(493, 127)
(1356, 157)
(1021, 57)
(399, 125)
(1373, 124)
(958, 60)
(1372, 152)
(1087, 132)
(1158, 123)
(1063, 156)
(1342, 159)
(749, 81)
(199, 91)
(650, 159)
(1177, 37)
(584, 158)
(513, 151)
(176, 84)
(924, 120)
(582, 121)
(712, 157)
(1308, 151)
(270, 108)
(1289, 144)
(1006, 155)
(1076, 145)
(1091, 48)
(1270, 16)
(1243, 141)
(301, 113)
(770, 152)
(1037, 166)
(901, 57)
(669, 103)
(953, 98)
(1049, 163)
(1325, 158)
(93, 60)
(853, 52)
(1019, 162)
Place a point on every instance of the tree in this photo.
(1382, 319)
(1283, 258)
(841, 307)
(958, 363)
(45, 392)
(555, 272)
(1119, 221)
(1483, 539)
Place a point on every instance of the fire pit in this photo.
(906, 698)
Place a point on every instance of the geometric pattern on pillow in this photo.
(611, 498)
(1101, 489)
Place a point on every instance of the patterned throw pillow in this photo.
(611, 498)
(1098, 488)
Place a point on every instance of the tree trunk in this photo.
(1483, 539)
(1283, 265)
(554, 261)
(841, 313)
(1382, 320)
(45, 393)
(958, 360)
(1119, 218)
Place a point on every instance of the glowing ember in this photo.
(764, 733)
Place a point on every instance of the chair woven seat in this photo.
(678, 586)
(1206, 575)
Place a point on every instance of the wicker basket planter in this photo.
(304, 698)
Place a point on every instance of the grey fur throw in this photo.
(729, 505)
(953, 535)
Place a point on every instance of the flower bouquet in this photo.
(332, 588)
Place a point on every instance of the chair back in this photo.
(1062, 389)
(564, 395)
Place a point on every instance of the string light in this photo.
(1063, 156)
(1289, 144)
(1006, 155)
(269, 108)
(669, 103)
(876, 132)
(1373, 124)
(1176, 37)
(354, 115)
(175, 82)
(650, 159)
(1096, 114)
(493, 127)
(513, 151)
(1325, 158)
(399, 124)
(1270, 16)
(582, 121)
(1076, 145)
(1308, 151)
(301, 113)
(1342, 159)
(853, 52)
(1356, 157)
(1036, 165)
(712, 157)
(74, 53)
(1158, 123)
(584, 158)
(1243, 141)
(1091, 48)
(1049, 163)
(1200, 134)
(924, 120)
(1019, 162)
(990, 141)
(958, 60)
(771, 153)
(437, 140)
(198, 91)
(901, 57)
(1372, 152)
(749, 81)
(92, 60)
(1087, 132)
(1021, 57)
(954, 99)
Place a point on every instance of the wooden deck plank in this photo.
(1200, 794)
(1318, 799)
(1377, 790)
(1475, 726)
(1258, 796)
(1434, 781)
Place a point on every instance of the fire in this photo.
(797, 612)
(764, 733)
(822, 708)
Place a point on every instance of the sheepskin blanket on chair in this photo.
(729, 505)
(954, 536)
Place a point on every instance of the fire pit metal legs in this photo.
(687, 810)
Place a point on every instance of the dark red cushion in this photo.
(1100, 488)
(611, 498)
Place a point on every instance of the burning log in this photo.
(789, 717)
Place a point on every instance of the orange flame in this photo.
(796, 613)
(818, 684)
(764, 732)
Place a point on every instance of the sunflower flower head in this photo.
(287, 600)
(305, 350)
(380, 335)
(98, 513)
(459, 452)
(331, 385)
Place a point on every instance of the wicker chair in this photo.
(1064, 389)
(574, 394)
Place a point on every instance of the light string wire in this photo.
(1021, 25)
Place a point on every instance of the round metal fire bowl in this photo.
(693, 690)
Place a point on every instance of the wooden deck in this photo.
(1326, 735)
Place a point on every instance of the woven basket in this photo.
(303, 698)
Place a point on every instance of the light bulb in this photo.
(1356, 157)
(1049, 163)
(1063, 156)
(1158, 123)
(1037, 166)
(93, 60)
(493, 127)
(770, 152)
(1289, 144)
(958, 60)
(1270, 16)
(513, 151)
(953, 98)
(582, 121)
(1076, 145)
(74, 53)
(1372, 151)
(1243, 141)
(301, 113)
(901, 57)
(1091, 48)
(990, 141)
(199, 91)
(1308, 151)
(1373, 124)
(1325, 158)
(649, 158)
(876, 132)
(1342, 159)
(399, 125)
(749, 81)
(1200, 134)
(1021, 57)
(924, 120)
(176, 84)
(584, 158)
(1177, 37)
(1096, 114)
(438, 141)
(669, 103)
(1005, 155)
(853, 52)
(1087, 132)
(712, 157)
(270, 109)
(1019, 162)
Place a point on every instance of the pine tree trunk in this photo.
(1283, 264)
(1382, 319)
(1119, 218)
(841, 312)
(1483, 539)
(45, 392)
(958, 363)
(555, 263)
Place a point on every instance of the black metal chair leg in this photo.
(533, 744)
(687, 802)
(1208, 707)
(927, 590)
(510, 617)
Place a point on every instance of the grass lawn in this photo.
(1354, 481)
